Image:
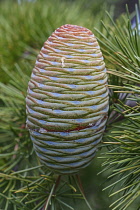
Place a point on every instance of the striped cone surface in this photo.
(67, 100)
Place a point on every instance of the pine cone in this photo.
(67, 100)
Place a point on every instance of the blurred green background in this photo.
(26, 25)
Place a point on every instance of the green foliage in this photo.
(24, 183)
(122, 54)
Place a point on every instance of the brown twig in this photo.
(54, 187)
(80, 186)
(80, 183)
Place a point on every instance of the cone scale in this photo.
(67, 100)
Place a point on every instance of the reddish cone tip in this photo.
(73, 28)
(72, 32)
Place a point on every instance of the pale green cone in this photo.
(67, 100)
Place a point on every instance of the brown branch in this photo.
(54, 187)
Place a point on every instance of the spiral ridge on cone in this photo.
(67, 100)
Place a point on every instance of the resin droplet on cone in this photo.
(67, 100)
